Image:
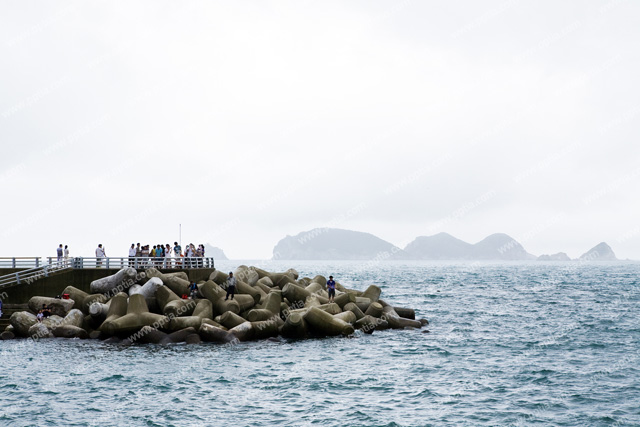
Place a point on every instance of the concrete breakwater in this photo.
(151, 307)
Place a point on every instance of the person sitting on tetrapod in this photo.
(46, 311)
(193, 288)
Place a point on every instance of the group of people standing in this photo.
(62, 254)
(165, 256)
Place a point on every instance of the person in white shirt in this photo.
(190, 254)
(167, 256)
(132, 255)
(66, 255)
(100, 253)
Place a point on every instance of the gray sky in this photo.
(248, 121)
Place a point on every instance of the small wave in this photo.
(11, 386)
(111, 378)
(426, 393)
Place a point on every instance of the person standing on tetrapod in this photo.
(331, 288)
(231, 286)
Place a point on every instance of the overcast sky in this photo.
(248, 121)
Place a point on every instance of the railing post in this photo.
(37, 262)
(18, 278)
(107, 262)
(13, 262)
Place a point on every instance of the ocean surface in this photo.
(547, 344)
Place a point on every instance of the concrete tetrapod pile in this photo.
(146, 307)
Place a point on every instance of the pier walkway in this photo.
(21, 278)
(28, 269)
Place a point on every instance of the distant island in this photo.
(334, 244)
(215, 252)
(560, 256)
(601, 252)
(443, 246)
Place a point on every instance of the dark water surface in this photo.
(509, 344)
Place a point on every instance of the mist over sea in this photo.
(527, 343)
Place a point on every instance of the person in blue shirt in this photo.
(159, 255)
(331, 288)
(177, 252)
(194, 290)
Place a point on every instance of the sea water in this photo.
(549, 344)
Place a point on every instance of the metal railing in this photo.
(135, 262)
(30, 275)
(20, 262)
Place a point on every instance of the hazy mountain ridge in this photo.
(600, 252)
(215, 252)
(339, 244)
(440, 246)
(334, 243)
(444, 246)
(560, 256)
